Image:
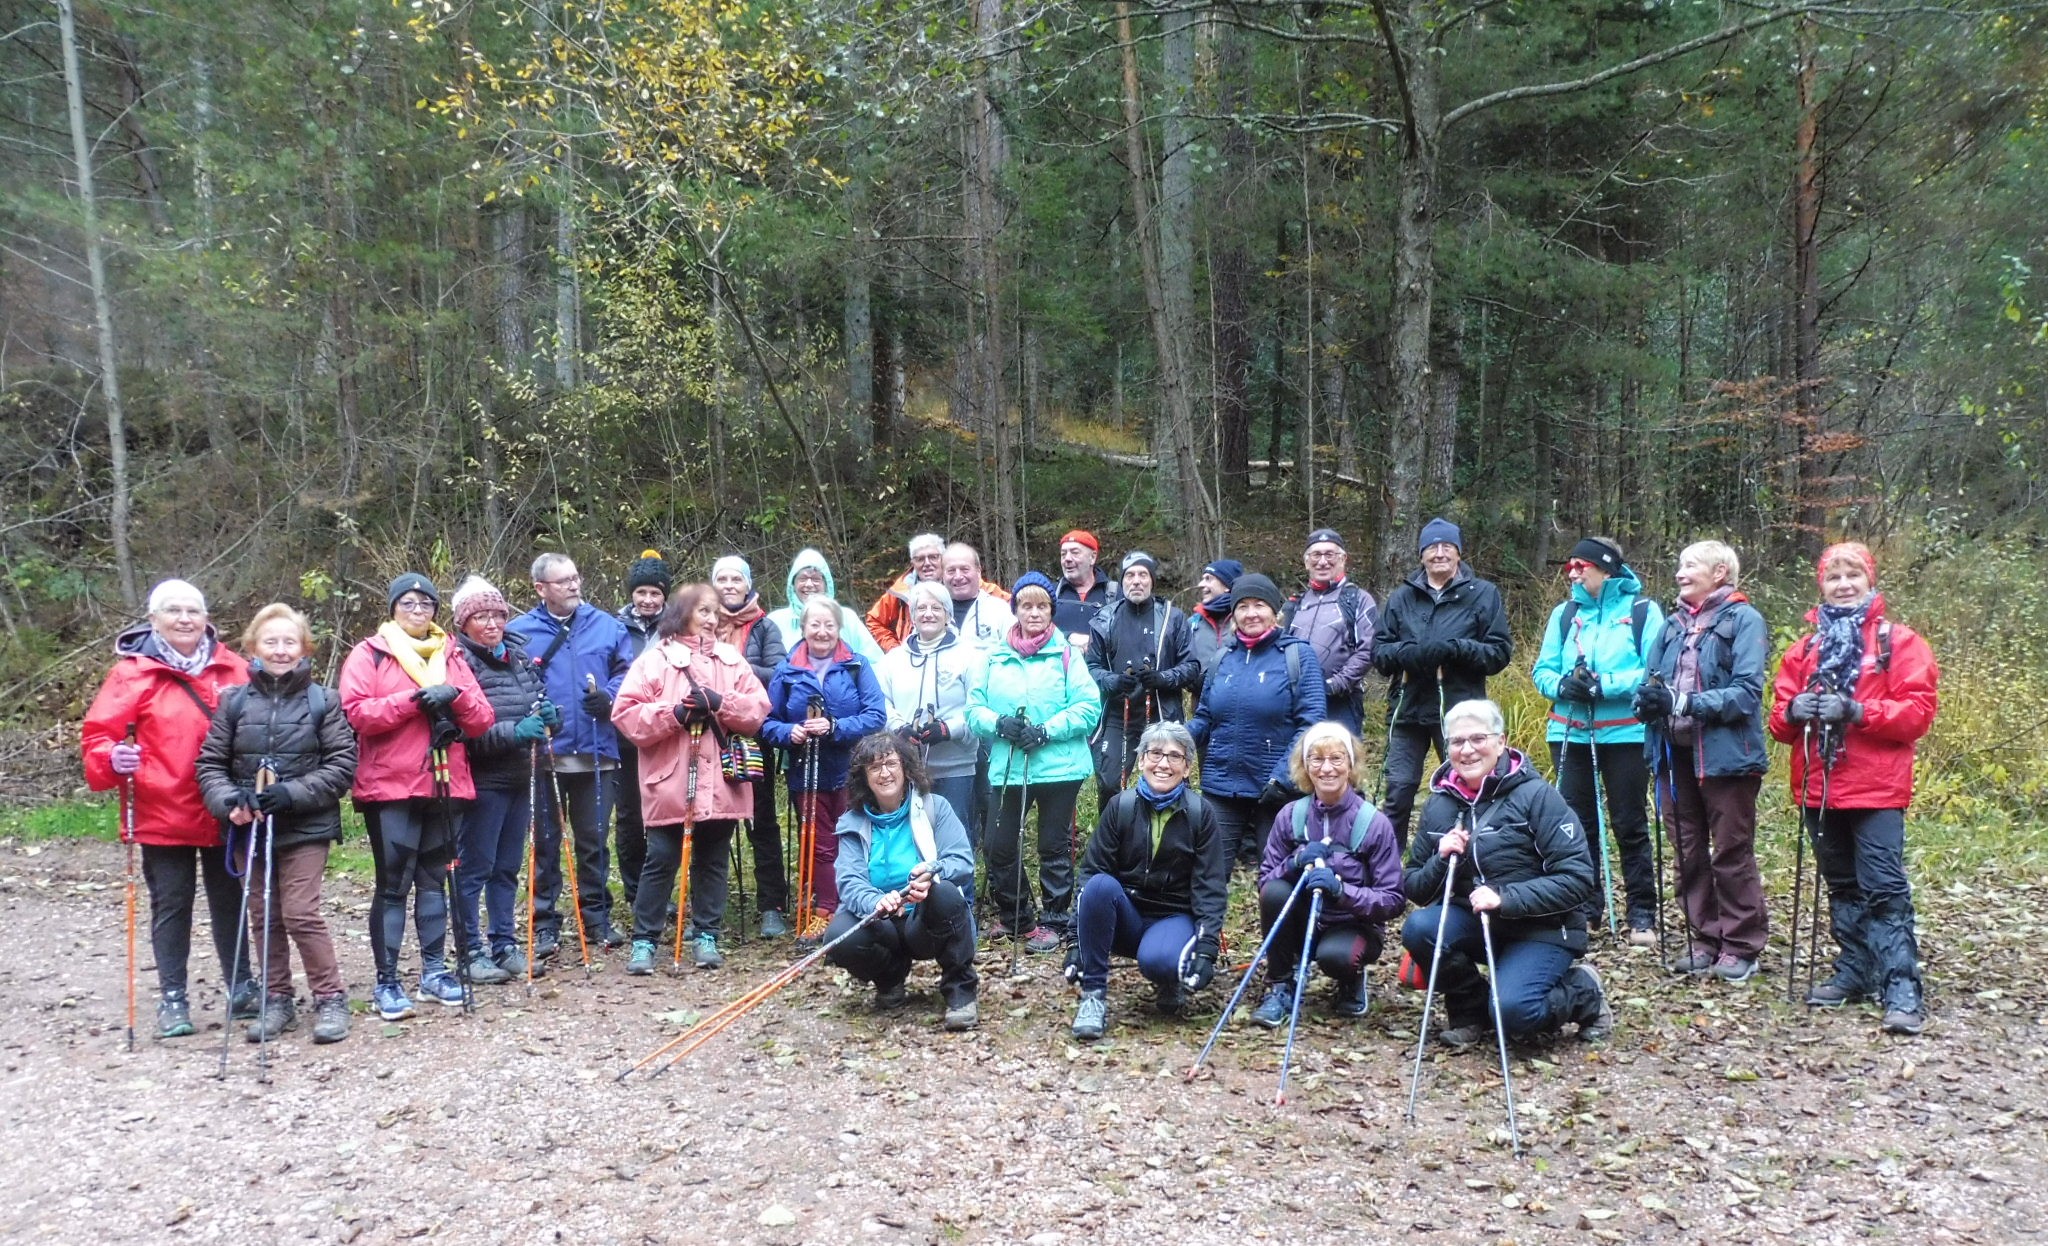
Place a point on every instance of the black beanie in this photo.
(648, 571)
(1256, 587)
(1599, 551)
(410, 582)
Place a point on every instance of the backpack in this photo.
(1349, 595)
(1361, 822)
(1638, 616)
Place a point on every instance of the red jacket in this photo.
(645, 714)
(1875, 769)
(170, 727)
(391, 732)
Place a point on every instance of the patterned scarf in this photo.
(1840, 632)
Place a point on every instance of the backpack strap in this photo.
(1300, 821)
(555, 646)
(1884, 644)
(1638, 619)
(185, 686)
(1293, 669)
(1361, 824)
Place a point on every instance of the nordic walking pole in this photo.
(1500, 1031)
(443, 784)
(601, 807)
(1308, 947)
(1258, 958)
(1657, 847)
(128, 839)
(1827, 770)
(1429, 988)
(1600, 853)
(689, 829)
(1123, 741)
(227, 1029)
(1799, 868)
(1023, 811)
(738, 867)
(532, 853)
(265, 776)
(568, 837)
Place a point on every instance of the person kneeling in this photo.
(1331, 842)
(1498, 844)
(1154, 885)
(903, 853)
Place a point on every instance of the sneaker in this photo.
(1272, 1013)
(483, 971)
(611, 940)
(1459, 1037)
(1732, 968)
(1353, 999)
(1596, 1022)
(704, 950)
(1834, 993)
(1697, 960)
(513, 962)
(642, 962)
(546, 945)
(891, 997)
(1091, 1018)
(1042, 939)
(1904, 1021)
(245, 1002)
(997, 932)
(439, 984)
(392, 1005)
(773, 924)
(278, 1015)
(964, 1015)
(174, 1016)
(330, 1018)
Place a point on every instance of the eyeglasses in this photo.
(891, 762)
(1328, 763)
(182, 612)
(1460, 742)
(1165, 754)
(414, 605)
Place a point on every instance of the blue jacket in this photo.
(1251, 713)
(1727, 709)
(853, 701)
(1603, 633)
(1056, 692)
(597, 648)
(940, 837)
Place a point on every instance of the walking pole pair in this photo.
(463, 947)
(227, 1029)
(532, 852)
(1244, 983)
(1806, 756)
(128, 839)
(689, 829)
(1308, 945)
(571, 875)
(1023, 811)
(1500, 1033)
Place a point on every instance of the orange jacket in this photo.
(888, 619)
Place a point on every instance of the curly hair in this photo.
(870, 749)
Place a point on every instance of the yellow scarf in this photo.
(426, 659)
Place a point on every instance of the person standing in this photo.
(1209, 623)
(143, 730)
(888, 620)
(742, 623)
(1443, 631)
(1138, 657)
(927, 680)
(583, 654)
(1339, 618)
(1084, 588)
(1853, 699)
(981, 610)
(1590, 665)
(810, 576)
(1703, 705)
(647, 587)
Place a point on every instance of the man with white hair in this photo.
(888, 620)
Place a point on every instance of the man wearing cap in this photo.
(1209, 622)
(1443, 631)
(1138, 654)
(1084, 589)
(647, 587)
(1338, 617)
(888, 620)
(582, 653)
(1591, 663)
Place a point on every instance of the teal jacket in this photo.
(1603, 632)
(1057, 693)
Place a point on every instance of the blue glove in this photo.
(1307, 855)
(1324, 879)
(531, 729)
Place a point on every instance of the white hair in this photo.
(926, 540)
(169, 591)
(1479, 710)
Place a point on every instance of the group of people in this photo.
(915, 740)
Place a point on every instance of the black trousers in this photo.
(710, 874)
(940, 929)
(1862, 855)
(1626, 780)
(413, 843)
(1407, 753)
(1005, 845)
(173, 875)
(1343, 948)
(629, 829)
(589, 797)
(1242, 822)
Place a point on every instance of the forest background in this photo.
(295, 296)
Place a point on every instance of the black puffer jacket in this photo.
(1155, 635)
(1186, 872)
(271, 719)
(1465, 621)
(496, 760)
(1528, 846)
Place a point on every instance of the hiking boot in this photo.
(1042, 939)
(704, 951)
(610, 939)
(1459, 1036)
(546, 945)
(1352, 999)
(245, 1002)
(1170, 999)
(1091, 1018)
(641, 963)
(392, 1005)
(330, 1018)
(773, 924)
(1697, 960)
(513, 962)
(1834, 993)
(891, 997)
(1596, 1020)
(438, 984)
(964, 1015)
(996, 932)
(1272, 1013)
(1907, 1021)
(1732, 968)
(174, 1016)
(483, 971)
(278, 1015)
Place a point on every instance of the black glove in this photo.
(549, 713)
(1034, 738)
(1201, 972)
(1012, 727)
(934, 732)
(704, 699)
(442, 731)
(1153, 678)
(1804, 708)
(1430, 655)
(1124, 685)
(1836, 709)
(1323, 879)
(277, 798)
(687, 713)
(1275, 794)
(1071, 971)
(241, 798)
(1652, 703)
(598, 704)
(435, 697)
(1581, 686)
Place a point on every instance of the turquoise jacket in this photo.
(1603, 632)
(1057, 693)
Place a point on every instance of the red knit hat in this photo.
(1081, 536)
(477, 596)
(1856, 550)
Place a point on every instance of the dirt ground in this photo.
(1717, 1114)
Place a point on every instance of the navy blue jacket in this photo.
(1251, 713)
(598, 647)
(1727, 710)
(853, 701)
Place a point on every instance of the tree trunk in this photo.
(103, 312)
(1806, 197)
(1230, 273)
(1408, 364)
(859, 329)
(568, 299)
(1336, 413)
(988, 154)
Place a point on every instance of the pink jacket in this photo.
(645, 713)
(391, 732)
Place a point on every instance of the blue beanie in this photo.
(1034, 579)
(1226, 570)
(1440, 530)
